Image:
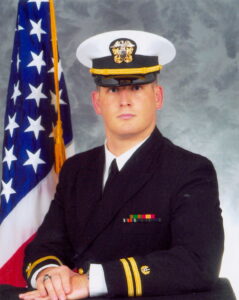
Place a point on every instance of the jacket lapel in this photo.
(134, 175)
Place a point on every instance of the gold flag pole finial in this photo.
(60, 155)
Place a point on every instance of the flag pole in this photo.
(60, 155)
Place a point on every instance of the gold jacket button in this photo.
(145, 270)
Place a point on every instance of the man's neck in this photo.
(119, 145)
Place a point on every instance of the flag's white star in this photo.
(16, 92)
(38, 2)
(34, 159)
(36, 29)
(35, 126)
(18, 61)
(60, 70)
(53, 130)
(19, 28)
(36, 93)
(53, 99)
(11, 124)
(7, 190)
(9, 157)
(37, 61)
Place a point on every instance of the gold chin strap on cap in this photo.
(128, 71)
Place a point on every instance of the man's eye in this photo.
(136, 87)
(113, 89)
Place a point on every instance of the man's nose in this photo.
(125, 99)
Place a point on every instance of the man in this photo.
(138, 216)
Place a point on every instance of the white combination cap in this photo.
(126, 53)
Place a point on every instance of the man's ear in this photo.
(95, 98)
(159, 96)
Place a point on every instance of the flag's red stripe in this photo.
(11, 272)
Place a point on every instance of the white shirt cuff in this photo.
(34, 276)
(97, 284)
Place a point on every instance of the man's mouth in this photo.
(126, 116)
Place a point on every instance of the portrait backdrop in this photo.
(201, 85)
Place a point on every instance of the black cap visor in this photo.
(124, 80)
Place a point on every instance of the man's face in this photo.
(128, 111)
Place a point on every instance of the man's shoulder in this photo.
(82, 159)
(172, 153)
(182, 157)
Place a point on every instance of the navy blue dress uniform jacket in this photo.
(177, 252)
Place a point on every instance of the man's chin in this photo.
(130, 134)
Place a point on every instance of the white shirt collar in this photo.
(120, 160)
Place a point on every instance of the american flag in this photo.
(29, 180)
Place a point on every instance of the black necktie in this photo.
(113, 171)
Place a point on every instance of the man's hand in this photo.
(58, 285)
(61, 283)
(80, 287)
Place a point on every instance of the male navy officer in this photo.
(155, 228)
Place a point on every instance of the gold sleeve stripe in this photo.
(38, 261)
(129, 278)
(137, 277)
(143, 70)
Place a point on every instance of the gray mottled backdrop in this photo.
(201, 85)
